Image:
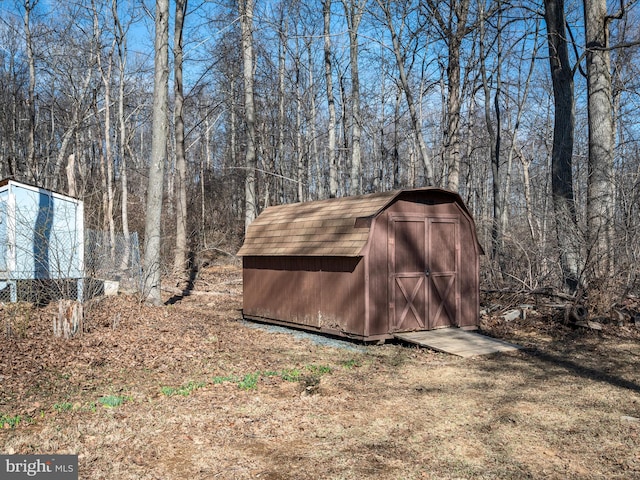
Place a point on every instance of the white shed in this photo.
(41, 239)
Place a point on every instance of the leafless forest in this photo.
(182, 120)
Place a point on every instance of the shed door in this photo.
(423, 259)
(442, 271)
(407, 257)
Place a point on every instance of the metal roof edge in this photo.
(8, 181)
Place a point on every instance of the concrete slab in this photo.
(455, 341)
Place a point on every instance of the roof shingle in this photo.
(325, 227)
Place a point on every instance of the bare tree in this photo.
(312, 136)
(494, 132)
(328, 77)
(153, 223)
(271, 138)
(29, 5)
(280, 154)
(121, 44)
(180, 255)
(416, 120)
(353, 10)
(106, 75)
(452, 21)
(300, 176)
(600, 201)
(626, 83)
(246, 22)
(563, 138)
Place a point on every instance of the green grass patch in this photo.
(319, 369)
(249, 381)
(349, 364)
(111, 401)
(224, 379)
(184, 390)
(169, 391)
(63, 407)
(292, 375)
(288, 375)
(11, 421)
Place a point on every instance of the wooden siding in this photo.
(319, 293)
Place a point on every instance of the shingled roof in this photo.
(321, 228)
(324, 227)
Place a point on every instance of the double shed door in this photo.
(424, 270)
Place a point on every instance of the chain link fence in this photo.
(110, 264)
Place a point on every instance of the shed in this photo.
(41, 240)
(365, 267)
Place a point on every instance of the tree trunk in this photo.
(353, 10)
(497, 237)
(600, 186)
(108, 152)
(180, 254)
(452, 138)
(72, 190)
(396, 180)
(494, 149)
(121, 42)
(342, 160)
(562, 152)
(454, 29)
(300, 169)
(312, 135)
(30, 169)
(328, 76)
(526, 181)
(282, 97)
(152, 259)
(246, 22)
(204, 162)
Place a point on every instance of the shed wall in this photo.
(43, 234)
(321, 293)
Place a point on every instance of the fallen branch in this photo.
(230, 282)
(188, 293)
(544, 291)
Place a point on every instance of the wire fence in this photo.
(109, 263)
(113, 261)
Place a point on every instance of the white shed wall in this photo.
(43, 234)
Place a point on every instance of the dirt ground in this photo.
(189, 390)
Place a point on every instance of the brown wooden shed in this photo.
(364, 267)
